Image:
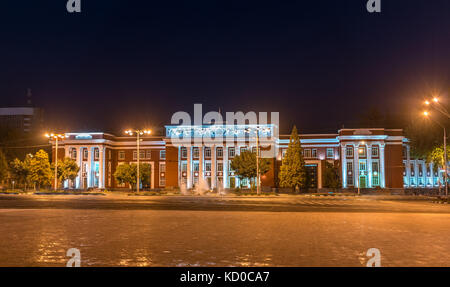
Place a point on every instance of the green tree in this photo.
(127, 174)
(124, 175)
(67, 169)
(40, 171)
(293, 172)
(436, 156)
(331, 176)
(244, 165)
(20, 170)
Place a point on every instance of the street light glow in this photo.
(435, 100)
(426, 113)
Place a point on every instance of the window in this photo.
(231, 152)
(74, 153)
(208, 166)
(196, 166)
(307, 153)
(184, 167)
(330, 153)
(375, 181)
(219, 166)
(219, 151)
(162, 174)
(162, 154)
(412, 169)
(350, 173)
(362, 151)
(141, 154)
(135, 155)
(254, 149)
(148, 154)
(283, 153)
(195, 153)
(375, 151)
(207, 152)
(96, 153)
(314, 153)
(121, 155)
(362, 167)
(243, 149)
(184, 152)
(375, 168)
(85, 153)
(349, 151)
(420, 170)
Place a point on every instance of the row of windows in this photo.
(207, 152)
(362, 151)
(311, 153)
(363, 172)
(145, 154)
(420, 170)
(197, 168)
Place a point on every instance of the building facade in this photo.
(188, 155)
(22, 119)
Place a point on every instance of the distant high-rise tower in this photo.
(23, 119)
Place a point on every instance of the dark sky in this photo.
(126, 63)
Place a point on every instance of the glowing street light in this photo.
(435, 103)
(56, 137)
(138, 133)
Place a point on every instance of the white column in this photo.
(213, 167)
(369, 164)
(408, 166)
(180, 172)
(225, 167)
(89, 167)
(78, 180)
(382, 178)
(201, 157)
(189, 167)
(101, 167)
(356, 165)
(344, 166)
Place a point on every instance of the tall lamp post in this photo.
(56, 137)
(427, 114)
(138, 133)
(258, 176)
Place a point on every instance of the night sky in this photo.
(131, 63)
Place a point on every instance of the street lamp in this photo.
(435, 103)
(56, 137)
(258, 176)
(138, 134)
(359, 172)
(427, 115)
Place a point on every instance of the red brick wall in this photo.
(393, 166)
(171, 166)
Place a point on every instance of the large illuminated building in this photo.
(368, 158)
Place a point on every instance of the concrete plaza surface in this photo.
(120, 230)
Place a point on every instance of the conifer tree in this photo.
(293, 172)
